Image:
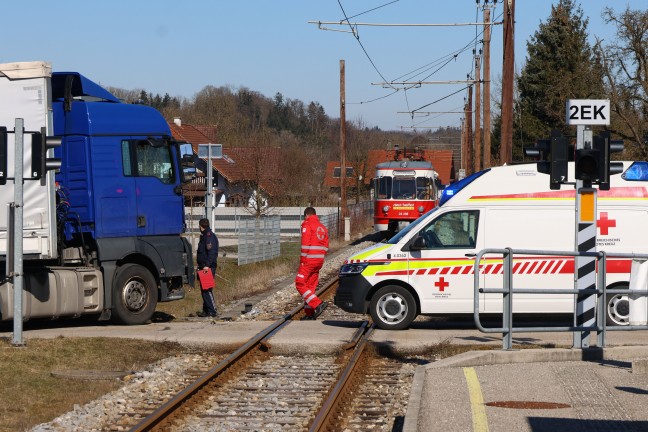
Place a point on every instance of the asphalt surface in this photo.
(547, 389)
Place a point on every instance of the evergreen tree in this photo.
(560, 65)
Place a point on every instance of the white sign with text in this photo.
(588, 112)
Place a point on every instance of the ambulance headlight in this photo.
(353, 269)
(385, 209)
(421, 209)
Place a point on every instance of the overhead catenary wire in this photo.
(373, 9)
(425, 71)
(357, 37)
(410, 75)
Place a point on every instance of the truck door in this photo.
(159, 207)
(441, 272)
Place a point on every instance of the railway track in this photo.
(253, 390)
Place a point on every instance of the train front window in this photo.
(423, 188)
(384, 187)
(404, 188)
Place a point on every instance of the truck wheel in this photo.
(617, 308)
(134, 295)
(392, 308)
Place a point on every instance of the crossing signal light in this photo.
(553, 155)
(593, 164)
(3, 155)
(588, 166)
(606, 146)
(558, 160)
(41, 163)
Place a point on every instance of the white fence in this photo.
(259, 239)
(227, 220)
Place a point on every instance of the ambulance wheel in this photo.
(134, 295)
(392, 308)
(617, 310)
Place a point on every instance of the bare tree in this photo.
(625, 69)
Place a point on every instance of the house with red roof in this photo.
(241, 172)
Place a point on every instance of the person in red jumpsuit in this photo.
(314, 245)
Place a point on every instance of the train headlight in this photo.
(421, 209)
(353, 269)
(385, 209)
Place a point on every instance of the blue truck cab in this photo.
(102, 205)
(119, 196)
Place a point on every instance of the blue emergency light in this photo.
(638, 171)
(452, 189)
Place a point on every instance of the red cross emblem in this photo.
(604, 224)
(442, 284)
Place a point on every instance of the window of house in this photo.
(337, 172)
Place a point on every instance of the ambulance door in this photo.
(442, 270)
(537, 228)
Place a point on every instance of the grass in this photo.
(29, 393)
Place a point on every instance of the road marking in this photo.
(480, 422)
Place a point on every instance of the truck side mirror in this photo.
(187, 163)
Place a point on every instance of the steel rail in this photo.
(258, 340)
(323, 418)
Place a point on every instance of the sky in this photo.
(179, 47)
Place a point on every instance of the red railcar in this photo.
(403, 190)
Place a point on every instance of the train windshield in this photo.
(404, 188)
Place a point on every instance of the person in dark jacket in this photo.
(206, 257)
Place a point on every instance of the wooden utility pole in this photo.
(469, 134)
(508, 76)
(464, 141)
(477, 113)
(486, 79)
(343, 197)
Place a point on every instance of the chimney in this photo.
(177, 121)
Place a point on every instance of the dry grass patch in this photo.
(29, 393)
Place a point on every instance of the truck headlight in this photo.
(421, 209)
(386, 209)
(352, 269)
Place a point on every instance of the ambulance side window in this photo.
(452, 230)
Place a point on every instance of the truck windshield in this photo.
(141, 159)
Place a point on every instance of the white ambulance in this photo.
(428, 268)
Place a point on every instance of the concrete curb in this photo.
(483, 358)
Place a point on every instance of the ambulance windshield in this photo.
(455, 187)
(402, 233)
(638, 171)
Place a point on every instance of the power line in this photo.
(358, 39)
(439, 100)
(371, 10)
